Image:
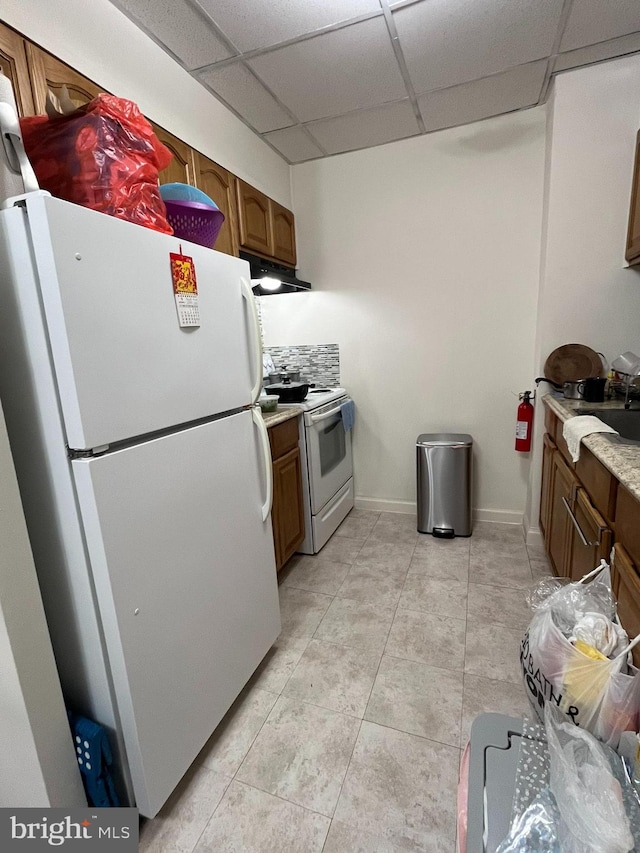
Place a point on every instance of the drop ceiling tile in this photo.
(252, 24)
(342, 70)
(239, 88)
(591, 21)
(183, 30)
(446, 42)
(480, 99)
(366, 128)
(597, 52)
(294, 144)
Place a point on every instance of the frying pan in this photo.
(572, 363)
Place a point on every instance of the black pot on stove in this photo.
(288, 391)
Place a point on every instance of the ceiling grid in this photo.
(315, 78)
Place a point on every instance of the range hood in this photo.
(262, 269)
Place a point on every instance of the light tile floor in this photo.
(348, 737)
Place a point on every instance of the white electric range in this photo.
(327, 465)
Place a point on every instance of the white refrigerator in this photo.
(145, 476)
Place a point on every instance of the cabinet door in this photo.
(13, 64)
(181, 169)
(254, 219)
(632, 253)
(283, 234)
(563, 486)
(545, 494)
(288, 512)
(589, 537)
(626, 588)
(628, 523)
(217, 183)
(47, 72)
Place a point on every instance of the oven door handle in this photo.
(315, 419)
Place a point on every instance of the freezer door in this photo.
(124, 365)
(185, 578)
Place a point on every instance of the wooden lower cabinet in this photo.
(287, 514)
(582, 512)
(288, 520)
(625, 581)
(589, 537)
(561, 493)
(545, 497)
(576, 535)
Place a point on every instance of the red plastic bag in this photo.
(104, 155)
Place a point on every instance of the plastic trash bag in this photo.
(602, 696)
(569, 602)
(599, 632)
(104, 155)
(588, 796)
(536, 598)
(536, 829)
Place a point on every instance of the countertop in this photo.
(281, 415)
(623, 460)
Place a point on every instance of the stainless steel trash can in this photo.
(444, 473)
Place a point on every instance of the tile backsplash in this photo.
(319, 363)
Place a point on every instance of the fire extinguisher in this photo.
(524, 423)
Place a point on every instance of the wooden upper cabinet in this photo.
(181, 169)
(13, 64)
(265, 227)
(218, 184)
(253, 219)
(47, 72)
(283, 234)
(632, 253)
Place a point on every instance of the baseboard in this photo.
(501, 516)
(380, 505)
(533, 538)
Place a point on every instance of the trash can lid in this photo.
(446, 439)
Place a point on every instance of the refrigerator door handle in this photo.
(255, 338)
(266, 456)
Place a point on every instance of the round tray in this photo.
(571, 363)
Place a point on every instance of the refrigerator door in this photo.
(185, 578)
(124, 366)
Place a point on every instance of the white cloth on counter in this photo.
(575, 429)
(596, 630)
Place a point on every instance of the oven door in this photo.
(329, 459)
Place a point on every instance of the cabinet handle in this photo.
(577, 526)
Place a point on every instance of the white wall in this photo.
(101, 43)
(424, 259)
(38, 764)
(587, 294)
